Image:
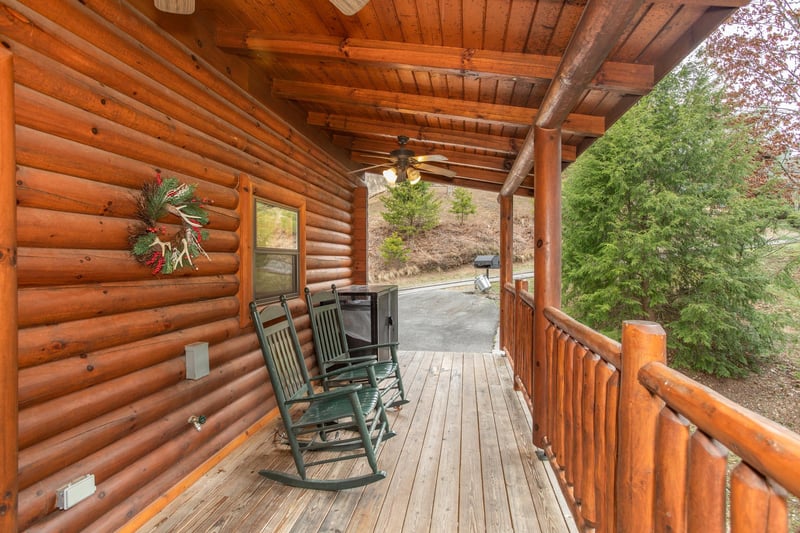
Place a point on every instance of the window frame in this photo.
(252, 190)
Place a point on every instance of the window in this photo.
(272, 243)
(276, 251)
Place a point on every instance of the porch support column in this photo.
(8, 300)
(546, 261)
(360, 244)
(506, 261)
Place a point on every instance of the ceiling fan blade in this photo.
(431, 157)
(370, 167)
(179, 7)
(436, 170)
(349, 7)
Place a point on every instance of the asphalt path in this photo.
(447, 320)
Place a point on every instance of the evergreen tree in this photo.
(410, 209)
(393, 249)
(462, 204)
(659, 226)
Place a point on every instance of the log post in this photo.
(506, 261)
(546, 260)
(642, 343)
(8, 300)
(360, 236)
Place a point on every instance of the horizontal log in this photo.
(47, 382)
(44, 420)
(125, 17)
(314, 262)
(49, 305)
(326, 248)
(324, 235)
(320, 275)
(38, 499)
(40, 150)
(44, 113)
(186, 465)
(43, 344)
(330, 218)
(763, 444)
(55, 416)
(60, 192)
(35, 266)
(44, 228)
(47, 457)
(326, 285)
(54, 81)
(138, 80)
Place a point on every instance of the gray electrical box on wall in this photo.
(74, 492)
(196, 360)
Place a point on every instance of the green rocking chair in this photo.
(332, 351)
(356, 409)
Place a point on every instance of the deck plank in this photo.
(357, 511)
(420, 503)
(498, 514)
(445, 500)
(462, 461)
(520, 504)
(471, 508)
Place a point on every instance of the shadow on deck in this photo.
(462, 460)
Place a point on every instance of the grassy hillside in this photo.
(450, 248)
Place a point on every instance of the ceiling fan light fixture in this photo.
(349, 7)
(390, 175)
(178, 7)
(413, 176)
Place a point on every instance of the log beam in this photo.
(629, 78)
(506, 115)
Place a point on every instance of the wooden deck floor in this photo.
(461, 461)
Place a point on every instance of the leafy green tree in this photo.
(394, 250)
(659, 226)
(410, 209)
(462, 204)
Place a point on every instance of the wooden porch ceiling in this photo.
(460, 78)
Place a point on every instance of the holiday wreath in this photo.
(158, 198)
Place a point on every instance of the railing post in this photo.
(8, 300)
(642, 343)
(506, 263)
(520, 335)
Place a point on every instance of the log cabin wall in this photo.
(104, 100)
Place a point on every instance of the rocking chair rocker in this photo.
(331, 350)
(355, 408)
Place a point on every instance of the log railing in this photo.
(638, 446)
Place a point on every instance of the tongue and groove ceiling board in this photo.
(462, 78)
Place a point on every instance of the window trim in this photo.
(251, 189)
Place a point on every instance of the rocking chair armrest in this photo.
(373, 346)
(391, 345)
(348, 368)
(327, 395)
(346, 359)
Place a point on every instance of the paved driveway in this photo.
(454, 320)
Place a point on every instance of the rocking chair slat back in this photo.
(289, 373)
(332, 350)
(329, 336)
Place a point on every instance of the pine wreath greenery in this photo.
(157, 199)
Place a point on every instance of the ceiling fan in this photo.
(405, 165)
